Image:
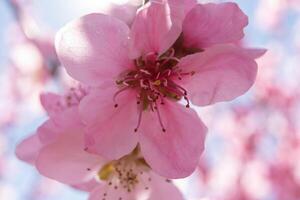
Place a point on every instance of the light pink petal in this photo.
(177, 5)
(163, 189)
(256, 53)
(29, 148)
(52, 128)
(50, 102)
(155, 28)
(223, 73)
(110, 130)
(209, 24)
(48, 132)
(174, 153)
(111, 194)
(87, 186)
(66, 160)
(94, 48)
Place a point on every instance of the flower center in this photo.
(125, 174)
(154, 78)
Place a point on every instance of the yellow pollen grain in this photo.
(157, 82)
(106, 171)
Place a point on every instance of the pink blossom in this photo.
(58, 151)
(138, 75)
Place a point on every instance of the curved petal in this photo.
(48, 132)
(110, 129)
(222, 73)
(66, 160)
(186, 4)
(104, 192)
(155, 28)
(177, 5)
(52, 128)
(29, 148)
(50, 102)
(163, 189)
(93, 48)
(209, 24)
(175, 152)
(256, 53)
(87, 186)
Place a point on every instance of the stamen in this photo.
(187, 73)
(145, 71)
(143, 85)
(157, 76)
(188, 102)
(155, 79)
(117, 93)
(159, 118)
(139, 120)
(181, 88)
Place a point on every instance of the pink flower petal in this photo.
(87, 186)
(110, 130)
(155, 29)
(174, 153)
(177, 5)
(186, 4)
(223, 73)
(256, 53)
(209, 24)
(51, 129)
(93, 48)
(28, 149)
(50, 102)
(48, 132)
(65, 159)
(112, 194)
(163, 189)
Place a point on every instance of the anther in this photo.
(117, 93)
(187, 101)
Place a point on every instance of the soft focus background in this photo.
(253, 148)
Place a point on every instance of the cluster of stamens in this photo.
(125, 174)
(70, 99)
(154, 79)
